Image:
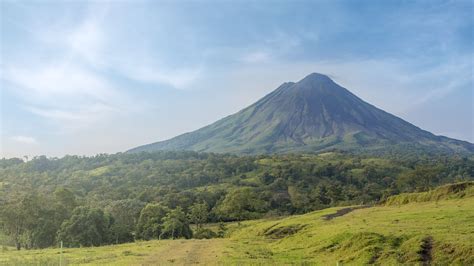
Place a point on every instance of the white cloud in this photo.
(82, 42)
(256, 57)
(49, 81)
(87, 41)
(441, 82)
(69, 96)
(283, 42)
(71, 89)
(83, 114)
(92, 45)
(24, 139)
(177, 78)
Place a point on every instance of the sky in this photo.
(84, 78)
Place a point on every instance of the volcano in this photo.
(312, 115)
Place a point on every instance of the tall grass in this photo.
(450, 191)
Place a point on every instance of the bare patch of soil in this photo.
(342, 212)
(283, 231)
(425, 250)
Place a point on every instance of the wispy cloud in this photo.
(80, 116)
(49, 81)
(256, 57)
(181, 78)
(87, 41)
(24, 139)
(70, 96)
(69, 88)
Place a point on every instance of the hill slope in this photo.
(430, 228)
(426, 231)
(310, 115)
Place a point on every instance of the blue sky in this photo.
(93, 77)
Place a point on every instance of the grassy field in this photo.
(139, 253)
(435, 227)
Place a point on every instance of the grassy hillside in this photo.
(450, 191)
(439, 231)
(436, 229)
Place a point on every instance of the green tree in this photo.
(267, 178)
(421, 178)
(240, 204)
(176, 225)
(13, 219)
(125, 214)
(64, 204)
(199, 214)
(28, 219)
(65, 198)
(86, 227)
(222, 230)
(150, 223)
(299, 200)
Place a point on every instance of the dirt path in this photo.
(188, 252)
(342, 212)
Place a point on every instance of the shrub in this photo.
(204, 233)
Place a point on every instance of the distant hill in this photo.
(314, 114)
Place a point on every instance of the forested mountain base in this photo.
(110, 199)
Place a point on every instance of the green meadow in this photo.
(435, 227)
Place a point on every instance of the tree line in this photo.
(32, 220)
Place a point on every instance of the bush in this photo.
(204, 233)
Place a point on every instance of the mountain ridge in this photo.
(311, 115)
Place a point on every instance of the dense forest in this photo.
(106, 199)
